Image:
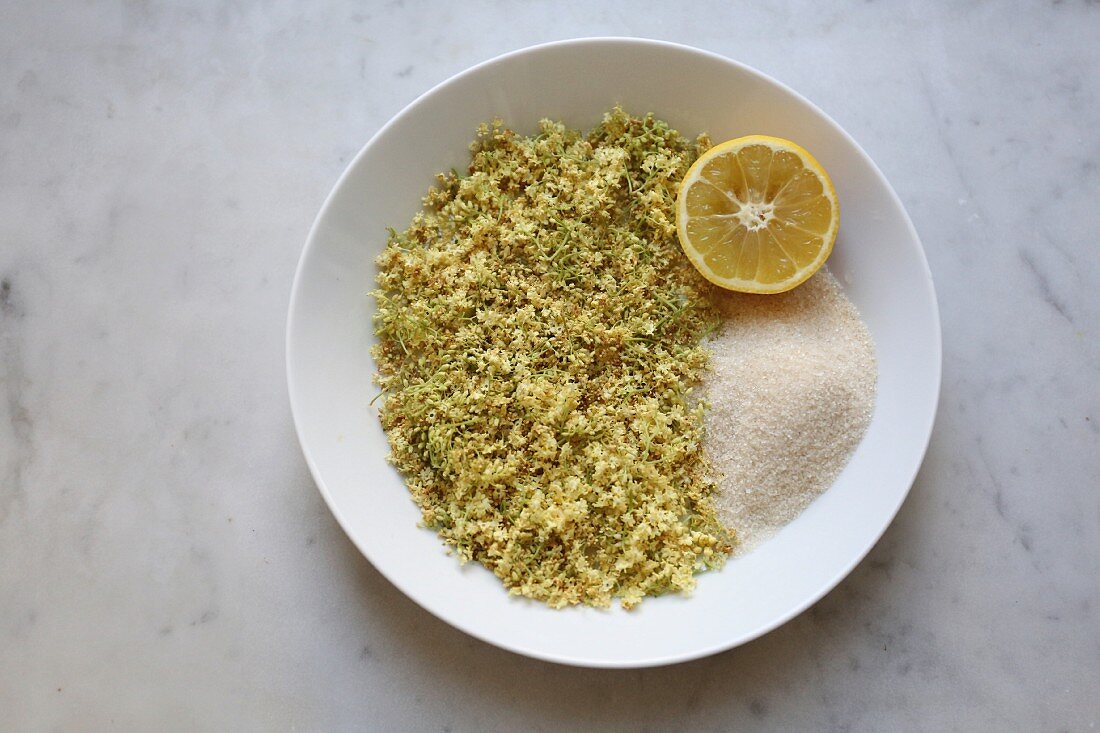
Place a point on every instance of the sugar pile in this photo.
(792, 389)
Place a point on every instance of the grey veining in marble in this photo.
(165, 562)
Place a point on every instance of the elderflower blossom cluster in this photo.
(539, 340)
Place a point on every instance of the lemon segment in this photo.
(757, 214)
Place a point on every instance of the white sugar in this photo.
(792, 389)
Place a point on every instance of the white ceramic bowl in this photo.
(878, 259)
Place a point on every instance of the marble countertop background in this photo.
(165, 560)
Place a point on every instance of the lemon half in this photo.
(757, 214)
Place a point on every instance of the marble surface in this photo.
(165, 561)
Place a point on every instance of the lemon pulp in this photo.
(757, 214)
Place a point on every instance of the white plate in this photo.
(878, 259)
